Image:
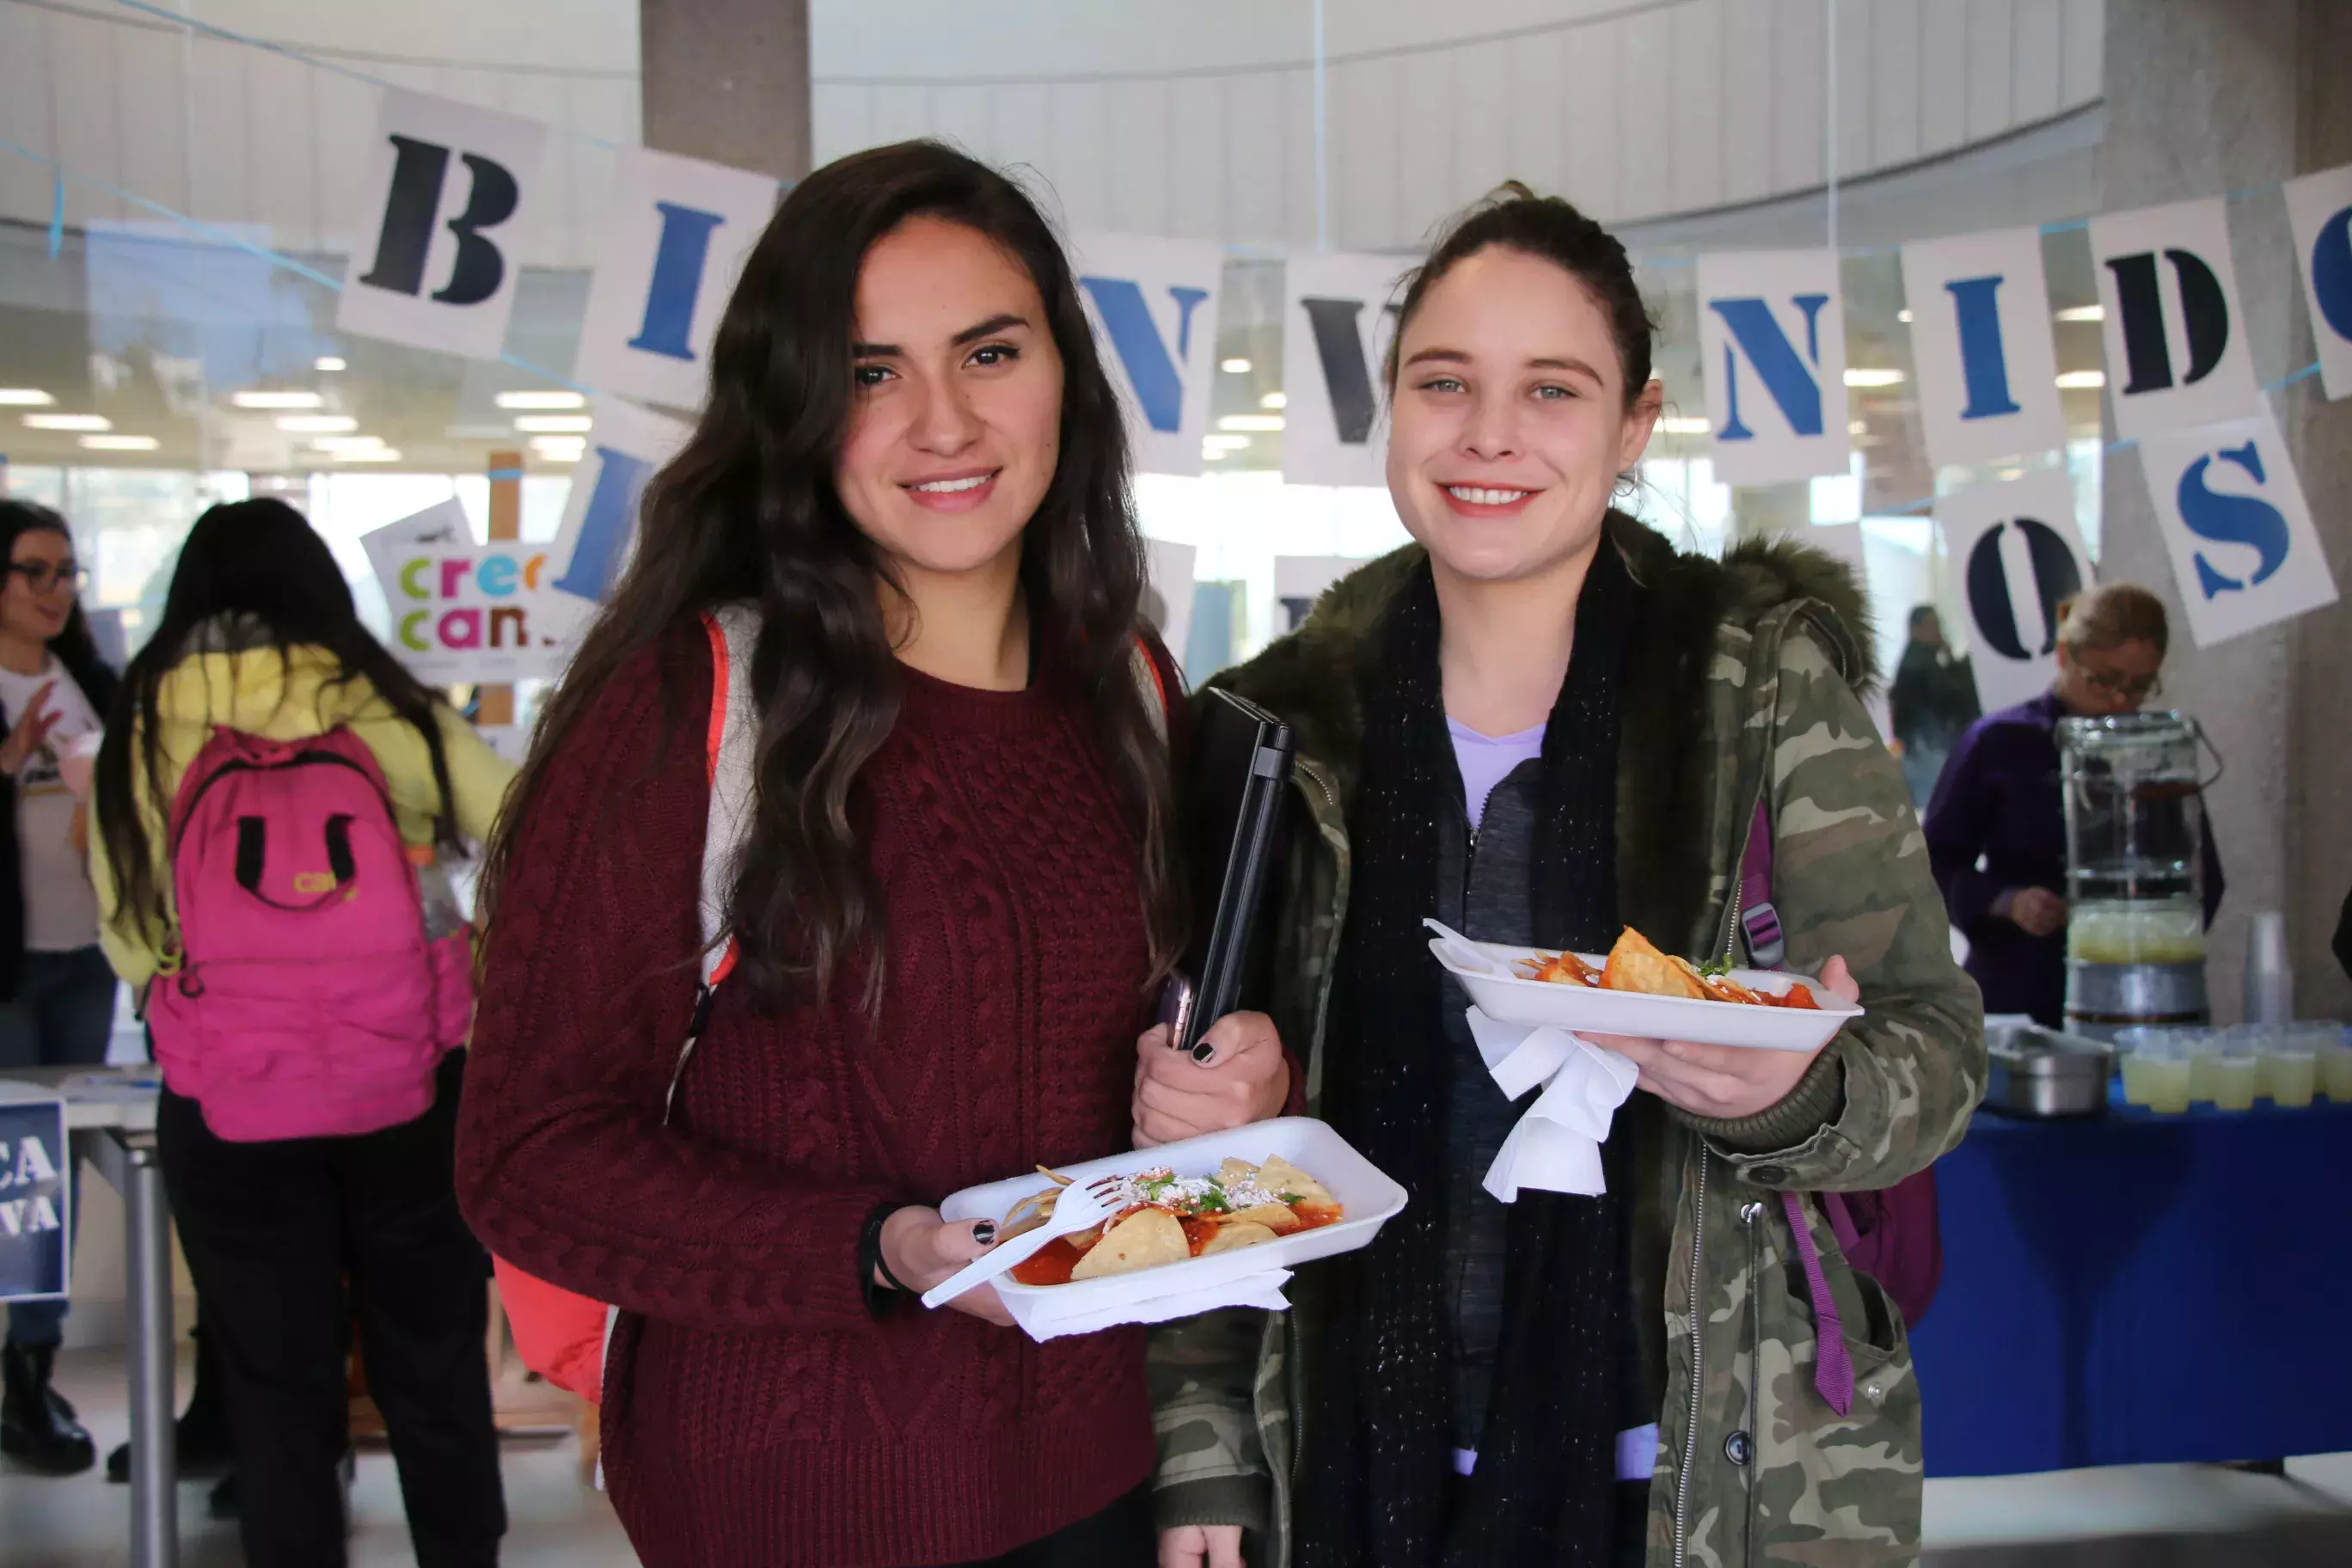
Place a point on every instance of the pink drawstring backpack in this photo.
(298, 996)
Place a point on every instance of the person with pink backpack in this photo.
(270, 803)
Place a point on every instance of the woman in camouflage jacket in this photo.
(1739, 688)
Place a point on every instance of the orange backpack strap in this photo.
(1153, 684)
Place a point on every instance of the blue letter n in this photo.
(1795, 388)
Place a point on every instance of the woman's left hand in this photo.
(1238, 1076)
(1724, 1083)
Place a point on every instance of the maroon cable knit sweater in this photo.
(755, 1413)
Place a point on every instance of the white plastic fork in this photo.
(1074, 1209)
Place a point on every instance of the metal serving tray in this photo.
(2043, 1074)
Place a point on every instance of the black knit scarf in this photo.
(1378, 1492)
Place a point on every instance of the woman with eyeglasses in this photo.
(1997, 828)
(56, 993)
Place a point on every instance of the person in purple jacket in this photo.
(1996, 825)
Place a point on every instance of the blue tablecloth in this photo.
(2142, 1290)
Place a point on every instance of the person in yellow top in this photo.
(259, 634)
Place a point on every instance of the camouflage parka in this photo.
(1742, 685)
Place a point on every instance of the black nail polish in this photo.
(984, 1232)
(1204, 1052)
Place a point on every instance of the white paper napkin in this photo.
(1042, 1318)
(1556, 1147)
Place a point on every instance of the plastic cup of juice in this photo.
(2164, 1080)
(2293, 1069)
(2142, 1065)
(2232, 1076)
(2336, 1068)
(2203, 1049)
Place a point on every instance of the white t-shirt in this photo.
(60, 905)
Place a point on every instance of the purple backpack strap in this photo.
(1832, 1366)
(1833, 1363)
(1758, 919)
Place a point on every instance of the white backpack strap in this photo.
(732, 732)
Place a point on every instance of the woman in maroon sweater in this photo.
(953, 906)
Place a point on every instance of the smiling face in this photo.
(38, 613)
(955, 422)
(1510, 419)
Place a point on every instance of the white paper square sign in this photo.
(2245, 553)
(2018, 555)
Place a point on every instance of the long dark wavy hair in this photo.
(253, 576)
(747, 511)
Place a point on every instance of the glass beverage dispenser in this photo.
(2134, 871)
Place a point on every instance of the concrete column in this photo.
(727, 80)
(2206, 97)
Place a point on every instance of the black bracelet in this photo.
(880, 1297)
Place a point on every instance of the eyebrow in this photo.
(971, 334)
(1455, 356)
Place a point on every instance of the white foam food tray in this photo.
(1368, 1198)
(1582, 1009)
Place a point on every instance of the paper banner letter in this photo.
(2320, 208)
(2019, 554)
(2245, 553)
(626, 446)
(1154, 305)
(674, 241)
(2175, 358)
(1772, 349)
(1167, 593)
(449, 187)
(1338, 316)
(1981, 339)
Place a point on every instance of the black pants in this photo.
(272, 1232)
(1120, 1536)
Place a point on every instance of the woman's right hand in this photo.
(2038, 911)
(920, 1249)
(32, 727)
(1202, 1546)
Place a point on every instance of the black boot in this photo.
(200, 1435)
(38, 1429)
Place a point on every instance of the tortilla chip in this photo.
(1028, 1215)
(1145, 1239)
(1235, 1234)
(1636, 964)
(1279, 1218)
(1279, 1176)
(1234, 1171)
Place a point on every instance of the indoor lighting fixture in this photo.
(539, 400)
(1684, 425)
(67, 422)
(1860, 377)
(1234, 366)
(554, 424)
(1904, 316)
(1221, 445)
(24, 397)
(2083, 313)
(347, 444)
(317, 424)
(561, 448)
(2082, 380)
(1250, 422)
(277, 399)
(1857, 428)
(328, 363)
(120, 443)
(1275, 400)
(375, 453)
